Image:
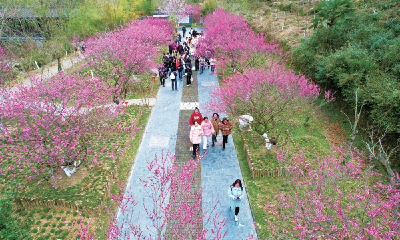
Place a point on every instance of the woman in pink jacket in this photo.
(208, 130)
(195, 137)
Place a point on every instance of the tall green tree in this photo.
(330, 11)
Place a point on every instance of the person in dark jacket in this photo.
(197, 63)
(184, 30)
(161, 73)
(170, 49)
(188, 72)
(187, 50)
(180, 69)
(180, 49)
(165, 60)
(173, 65)
(170, 62)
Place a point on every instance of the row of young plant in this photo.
(46, 125)
(334, 196)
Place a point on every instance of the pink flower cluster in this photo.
(174, 199)
(132, 49)
(53, 122)
(331, 200)
(230, 39)
(252, 82)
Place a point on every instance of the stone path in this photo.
(219, 169)
(159, 138)
(166, 131)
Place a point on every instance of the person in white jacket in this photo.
(195, 137)
(212, 63)
(235, 194)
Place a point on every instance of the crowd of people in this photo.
(177, 64)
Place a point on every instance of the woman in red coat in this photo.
(195, 117)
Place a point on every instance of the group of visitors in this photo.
(176, 65)
(209, 129)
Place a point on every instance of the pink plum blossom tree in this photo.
(120, 55)
(325, 198)
(175, 209)
(265, 95)
(49, 124)
(178, 8)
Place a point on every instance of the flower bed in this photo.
(262, 161)
(90, 186)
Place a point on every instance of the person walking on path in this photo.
(215, 122)
(195, 137)
(235, 194)
(212, 63)
(208, 131)
(188, 73)
(197, 63)
(184, 31)
(173, 79)
(226, 128)
(162, 74)
(180, 69)
(195, 117)
(202, 63)
(180, 48)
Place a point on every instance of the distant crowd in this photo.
(177, 64)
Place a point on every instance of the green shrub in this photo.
(58, 218)
(61, 224)
(331, 11)
(43, 230)
(46, 210)
(10, 228)
(46, 224)
(52, 230)
(23, 213)
(208, 6)
(53, 225)
(85, 223)
(43, 216)
(38, 222)
(49, 217)
(65, 234)
(30, 214)
(57, 232)
(75, 214)
(34, 230)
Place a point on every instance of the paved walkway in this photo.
(219, 168)
(160, 137)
